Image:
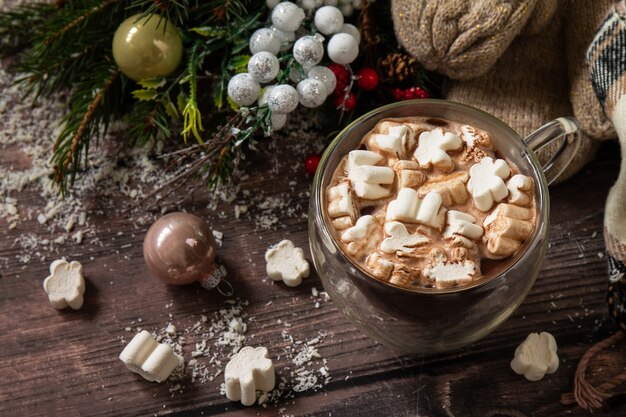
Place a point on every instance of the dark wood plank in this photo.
(65, 363)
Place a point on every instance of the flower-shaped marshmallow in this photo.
(536, 356)
(286, 263)
(65, 285)
(461, 229)
(249, 370)
(366, 177)
(363, 238)
(433, 147)
(520, 189)
(409, 208)
(486, 183)
(397, 142)
(449, 274)
(399, 240)
(152, 360)
(341, 207)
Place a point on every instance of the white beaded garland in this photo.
(308, 50)
(331, 2)
(328, 20)
(312, 4)
(352, 31)
(271, 3)
(347, 10)
(295, 75)
(324, 75)
(278, 121)
(263, 97)
(263, 66)
(287, 16)
(264, 39)
(343, 48)
(312, 93)
(285, 38)
(243, 89)
(283, 99)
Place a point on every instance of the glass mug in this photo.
(428, 320)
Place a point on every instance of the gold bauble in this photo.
(147, 47)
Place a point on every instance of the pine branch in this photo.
(18, 27)
(89, 116)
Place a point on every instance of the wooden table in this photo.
(66, 362)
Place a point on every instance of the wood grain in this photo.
(65, 362)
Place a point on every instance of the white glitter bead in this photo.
(283, 99)
(308, 50)
(357, 4)
(243, 89)
(264, 93)
(312, 93)
(343, 48)
(324, 75)
(263, 67)
(271, 3)
(312, 4)
(285, 38)
(328, 20)
(331, 2)
(278, 121)
(347, 10)
(264, 39)
(287, 16)
(295, 75)
(352, 31)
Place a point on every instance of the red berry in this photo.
(367, 79)
(348, 104)
(342, 75)
(311, 163)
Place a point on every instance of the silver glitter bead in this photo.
(264, 39)
(324, 75)
(308, 50)
(312, 93)
(328, 20)
(243, 89)
(263, 67)
(287, 16)
(283, 99)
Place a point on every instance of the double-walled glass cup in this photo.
(428, 320)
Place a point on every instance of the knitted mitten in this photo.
(607, 61)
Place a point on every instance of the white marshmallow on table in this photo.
(397, 142)
(536, 356)
(486, 183)
(152, 360)
(409, 208)
(433, 147)
(449, 274)
(519, 187)
(461, 228)
(400, 240)
(363, 238)
(286, 263)
(65, 285)
(249, 370)
(366, 177)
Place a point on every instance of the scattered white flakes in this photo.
(600, 255)
(41, 218)
(314, 292)
(594, 234)
(78, 237)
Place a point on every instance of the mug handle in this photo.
(568, 131)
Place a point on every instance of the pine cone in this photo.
(398, 67)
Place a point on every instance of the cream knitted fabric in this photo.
(460, 38)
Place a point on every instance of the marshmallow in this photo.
(286, 263)
(400, 240)
(536, 356)
(506, 228)
(409, 175)
(409, 208)
(403, 275)
(152, 360)
(363, 238)
(451, 187)
(380, 267)
(396, 143)
(433, 146)
(461, 229)
(341, 205)
(248, 371)
(520, 189)
(65, 285)
(366, 177)
(449, 274)
(486, 182)
(473, 138)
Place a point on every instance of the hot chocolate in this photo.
(428, 202)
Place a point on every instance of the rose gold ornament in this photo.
(179, 249)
